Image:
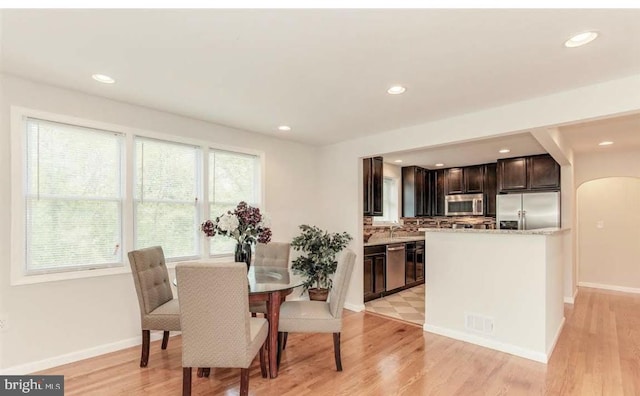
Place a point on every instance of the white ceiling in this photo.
(623, 131)
(324, 72)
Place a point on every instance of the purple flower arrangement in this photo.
(245, 224)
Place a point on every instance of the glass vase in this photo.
(243, 254)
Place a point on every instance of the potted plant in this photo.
(320, 262)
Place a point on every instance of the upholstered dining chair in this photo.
(158, 309)
(274, 254)
(319, 316)
(217, 330)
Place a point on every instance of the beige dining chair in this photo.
(319, 316)
(274, 254)
(217, 330)
(158, 309)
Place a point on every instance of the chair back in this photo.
(341, 279)
(151, 278)
(274, 254)
(214, 314)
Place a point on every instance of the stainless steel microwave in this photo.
(464, 205)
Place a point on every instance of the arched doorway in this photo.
(608, 222)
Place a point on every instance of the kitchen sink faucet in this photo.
(392, 229)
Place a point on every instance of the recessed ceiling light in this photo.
(581, 39)
(438, 165)
(396, 90)
(397, 161)
(504, 151)
(605, 143)
(284, 128)
(103, 78)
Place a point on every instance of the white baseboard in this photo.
(555, 339)
(354, 307)
(487, 343)
(572, 300)
(610, 287)
(44, 364)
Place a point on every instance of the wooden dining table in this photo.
(271, 285)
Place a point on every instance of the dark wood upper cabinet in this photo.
(372, 182)
(490, 189)
(454, 181)
(415, 192)
(544, 173)
(512, 174)
(437, 197)
(538, 172)
(473, 179)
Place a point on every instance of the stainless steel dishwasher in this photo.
(395, 266)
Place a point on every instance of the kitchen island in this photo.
(501, 289)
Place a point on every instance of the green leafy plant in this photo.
(320, 262)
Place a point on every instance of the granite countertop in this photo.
(387, 240)
(540, 231)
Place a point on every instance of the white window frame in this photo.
(18, 150)
(385, 223)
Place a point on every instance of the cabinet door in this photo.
(427, 193)
(544, 173)
(376, 186)
(409, 191)
(512, 174)
(438, 192)
(420, 192)
(490, 190)
(366, 185)
(454, 183)
(379, 283)
(368, 275)
(419, 257)
(474, 179)
(410, 267)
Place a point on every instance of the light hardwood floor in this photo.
(598, 353)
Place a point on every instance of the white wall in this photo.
(341, 169)
(609, 236)
(51, 319)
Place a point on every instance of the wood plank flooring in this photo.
(598, 353)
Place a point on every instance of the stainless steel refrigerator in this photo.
(528, 211)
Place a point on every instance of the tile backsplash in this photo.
(411, 225)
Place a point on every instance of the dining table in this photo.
(271, 285)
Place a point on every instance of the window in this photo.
(84, 193)
(389, 201)
(233, 177)
(166, 190)
(73, 197)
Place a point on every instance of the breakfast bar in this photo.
(500, 289)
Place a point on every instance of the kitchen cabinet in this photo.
(454, 181)
(490, 189)
(538, 172)
(372, 184)
(438, 193)
(416, 196)
(374, 271)
(467, 180)
(414, 264)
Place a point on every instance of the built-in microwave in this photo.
(464, 205)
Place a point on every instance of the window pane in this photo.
(73, 197)
(171, 225)
(167, 184)
(233, 177)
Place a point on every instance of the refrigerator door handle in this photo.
(519, 219)
(524, 219)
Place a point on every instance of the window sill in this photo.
(18, 280)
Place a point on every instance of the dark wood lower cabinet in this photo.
(375, 261)
(414, 265)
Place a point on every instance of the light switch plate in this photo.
(600, 224)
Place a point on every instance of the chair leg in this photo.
(146, 340)
(244, 382)
(165, 339)
(336, 351)
(263, 360)
(284, 343)
(186, 381)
